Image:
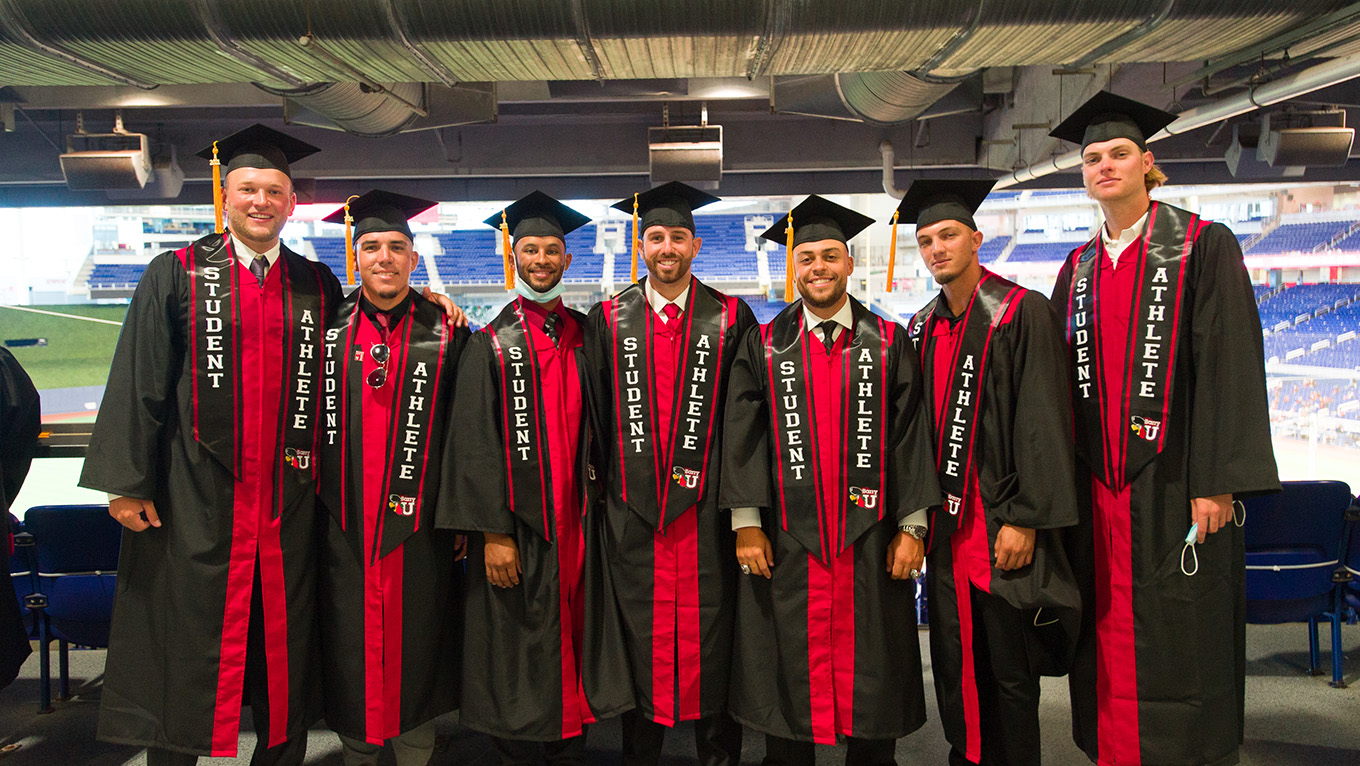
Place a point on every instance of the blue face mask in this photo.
(522, 287)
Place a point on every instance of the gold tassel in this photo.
(349, 246)
(892, 252)
(217, 189)
(788, 265)
(636, 242)
(505, 248)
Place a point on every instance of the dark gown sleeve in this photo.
(598, 393)
(1230, 448)
(139, 400)
(1040, 491)
(477, 468)
(910, 452)
(1062, 286)
(19, 425)
(746, 481)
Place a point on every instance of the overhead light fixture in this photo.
(691, 154)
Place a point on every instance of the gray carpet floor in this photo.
(1292, 718)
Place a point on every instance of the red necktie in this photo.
(672, 313)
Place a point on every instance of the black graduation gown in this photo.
(19, 425)
(233, 512)
(623, 537)
(380, 560)
(1186, 648)
(774, 689)
(521, 661)
(1022, 470)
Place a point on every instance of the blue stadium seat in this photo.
(23, 573)
(1293, 542)
(76, 552)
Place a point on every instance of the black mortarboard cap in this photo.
(538, 215)
(671, 204)
(1107, 116)
(259, 147)
(379, 211)
(817, 218)
(929, 201)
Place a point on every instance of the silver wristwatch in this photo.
(917, 531)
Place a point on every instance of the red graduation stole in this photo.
(214, 321)
(414, 436)
(793, 425)
(660, 481)
(1162, 254)
(956, 425)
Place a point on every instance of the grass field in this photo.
(77, 353)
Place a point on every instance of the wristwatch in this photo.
(917, 531)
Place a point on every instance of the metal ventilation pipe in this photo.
(1305, 81)
(885, 148)
(357, 108)
(878, 98)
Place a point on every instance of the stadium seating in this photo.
(115, 274)
(992, 248)
(1299, 237)
(76, 558)
(1041, 251)
(1292, 549)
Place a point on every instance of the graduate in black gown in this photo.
(389, 590)
(659, 353)
(523, 482)
(830, 475)
(19, 426)
(207, 434)
(1172, 427)
(1003, 600)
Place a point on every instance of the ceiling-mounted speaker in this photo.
(692, 154)
(1314, 139)
(100, 161)
(1242, 158)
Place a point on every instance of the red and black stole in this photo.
(528, 456)
(956, 424)
(793, 425)
(660, 481)
(1161, 257)
(417, 344)
(218, 377)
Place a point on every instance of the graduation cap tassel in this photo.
(892, 252)
(636, 243)
(505, 248)
(349, 246)
(217, 189)
(788, 265)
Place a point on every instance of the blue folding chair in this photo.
(1350, 588)
(23, 572)
(1293, 541)
(76, 552)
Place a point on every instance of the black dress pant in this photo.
(287, 753)
(519, 752)
(859, 752)
(1007, 673)
(717, 740)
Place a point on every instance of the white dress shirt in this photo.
(658, 301)
(1116, 247)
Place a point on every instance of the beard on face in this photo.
(837, 290)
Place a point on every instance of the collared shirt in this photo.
(844, 319)
(394, 314)
(245, 255)
(658, 301)
(1115, 247)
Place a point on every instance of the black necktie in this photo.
(260, 268)
(828, 340)
(552, 326)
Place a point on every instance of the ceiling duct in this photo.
(692, 154)
(878, 98)
(353, 107)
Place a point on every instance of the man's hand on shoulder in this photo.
(134, 513)
(455, 314)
